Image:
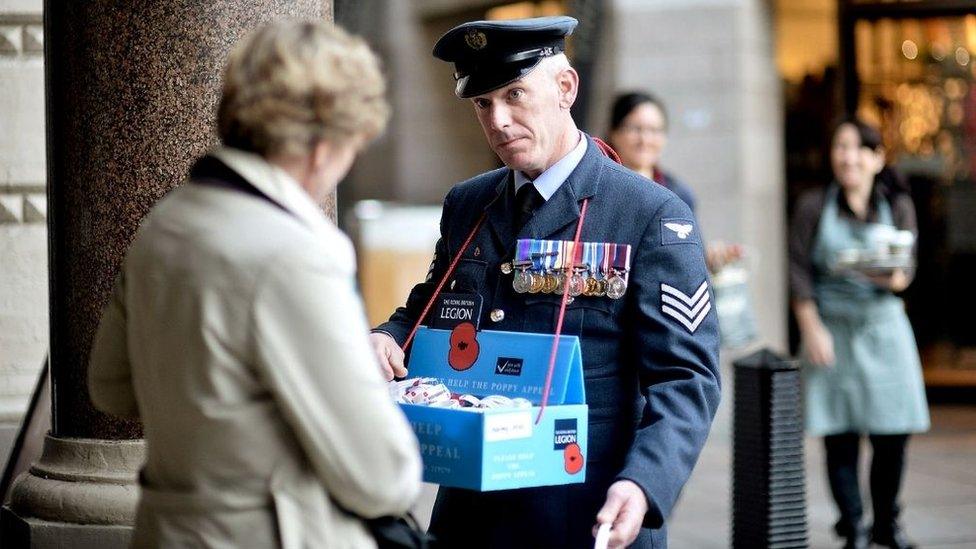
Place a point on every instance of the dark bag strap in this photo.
(399, 533)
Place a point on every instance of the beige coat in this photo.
(237, 335)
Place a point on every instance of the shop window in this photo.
(911, 69)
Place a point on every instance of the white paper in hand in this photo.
(602, 536)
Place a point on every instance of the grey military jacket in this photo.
(650, 359)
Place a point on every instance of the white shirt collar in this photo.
(550, 180)
(274, 182)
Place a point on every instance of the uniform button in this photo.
(497, 315)
(507, 268)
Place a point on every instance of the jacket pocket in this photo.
(608, 441)
(468, 277)
(582, 315)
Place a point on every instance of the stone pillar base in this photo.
(81, 491)
(19, 532)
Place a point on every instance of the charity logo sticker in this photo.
(564, 433)
(464, 349)
(506, 366)
(573, 458)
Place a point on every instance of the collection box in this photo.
(501, 448)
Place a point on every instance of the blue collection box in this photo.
(502, 449)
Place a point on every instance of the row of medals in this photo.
(554, 281)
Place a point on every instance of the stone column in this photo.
(131, 93)
(712, 63)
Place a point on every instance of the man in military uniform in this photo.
(650, 358)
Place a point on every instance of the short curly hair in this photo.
(292, 84)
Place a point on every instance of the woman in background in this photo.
(639, 132)
(235, 332)
(862, 372)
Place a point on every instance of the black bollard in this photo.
(768, 481)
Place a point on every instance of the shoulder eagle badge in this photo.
(680, 229)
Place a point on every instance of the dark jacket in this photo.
(652, 383)
(806, 221)
(676, 186)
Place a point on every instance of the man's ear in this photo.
(568, 83)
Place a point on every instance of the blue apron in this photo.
(875, 386)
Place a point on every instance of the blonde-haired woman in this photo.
(235, 332)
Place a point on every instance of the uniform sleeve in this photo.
(676, 337)
(806, 218)
(312, 349)
(403, 319)
(109, 371)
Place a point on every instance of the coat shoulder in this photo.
(902, 204)
(206, 232)
(810, 201)
(483, 184)
(628, 190)
(679, 188)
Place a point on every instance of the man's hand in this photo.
(389, 354)
(625, 509)
(719, 254)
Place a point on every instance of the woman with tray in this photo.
(862, 370)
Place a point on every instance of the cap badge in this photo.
(475, 39)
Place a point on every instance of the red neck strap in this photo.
(607, 151)
(440, 285)
(562, 313)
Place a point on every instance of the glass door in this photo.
(910, 67)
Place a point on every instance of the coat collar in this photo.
(274, 183)
(561, 209)
(549, 181)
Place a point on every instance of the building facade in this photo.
(23, 211)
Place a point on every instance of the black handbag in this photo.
(399, 533)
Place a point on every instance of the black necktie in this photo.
(527, 199)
